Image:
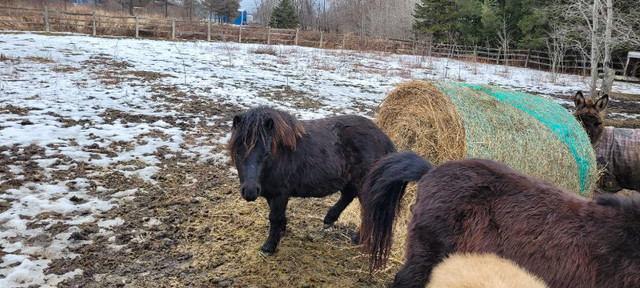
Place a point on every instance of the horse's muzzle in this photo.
(250, 191)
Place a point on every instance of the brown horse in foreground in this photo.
(279, 156)
(617, 149)
(482, 206)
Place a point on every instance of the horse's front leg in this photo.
(277, 223)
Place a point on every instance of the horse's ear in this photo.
(268, 124)
(602, 102)
(236, 121)
(579, 101)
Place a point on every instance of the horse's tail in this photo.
(380, 199)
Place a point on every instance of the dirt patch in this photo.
(42, 60)
(146, 76)
(106, 60)
(65, 69)
(68, 121)
(110, 115)
(10, 109)
(286, 94)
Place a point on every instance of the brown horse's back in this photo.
(484, 206)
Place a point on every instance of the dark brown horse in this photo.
(482, 206)
(278, 156)
(617, 149)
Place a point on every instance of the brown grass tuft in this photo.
(265, 49)
(40, 59)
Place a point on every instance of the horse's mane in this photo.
(285, 131)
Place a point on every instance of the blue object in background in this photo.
(242, 18)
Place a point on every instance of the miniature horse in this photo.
(482, 206)
(278, 156)
(617, 149)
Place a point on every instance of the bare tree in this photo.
(609, 73)
(583, 24)
(557, 47)
(264, 9)
(381, 18)
(504, 38)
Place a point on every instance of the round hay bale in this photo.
(445, 121)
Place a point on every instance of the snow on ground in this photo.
(71, 102)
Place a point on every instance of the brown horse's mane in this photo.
(285, 130)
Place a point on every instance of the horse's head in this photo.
(257, 136)
(591, 114)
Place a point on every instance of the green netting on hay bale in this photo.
(532, 134)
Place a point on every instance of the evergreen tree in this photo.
(284, 16)
(436, 17)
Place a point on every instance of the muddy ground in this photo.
(190, 227)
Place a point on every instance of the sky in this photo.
(249, 5)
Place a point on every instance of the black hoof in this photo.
(267, 250)
(266, 253)
(327, 225)
(355, 239)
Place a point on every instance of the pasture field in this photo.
(113, 168)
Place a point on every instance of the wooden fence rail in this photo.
(134, 26)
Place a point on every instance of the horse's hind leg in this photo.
(424, 251)
(346, 196)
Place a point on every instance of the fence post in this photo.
(344, 41)
(268, 35)
(297, 30)
(209, 29)
(94, 23)
(137, 26)
(173, 28)
(46, 18)
(240, 34)
(526, 61)
(321, 33)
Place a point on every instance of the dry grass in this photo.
(264, 49)
(42, 60)
(4, 58)
(626, 123)
(65, 69)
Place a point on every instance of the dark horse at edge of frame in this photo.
(279, 156)
(482, 206)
